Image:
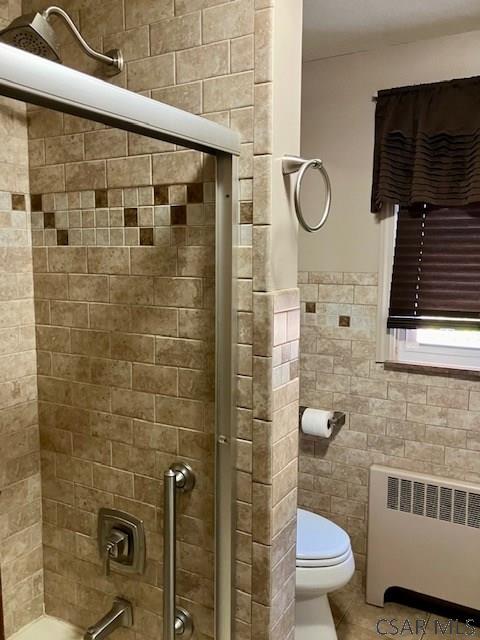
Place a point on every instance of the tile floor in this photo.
(356, 620)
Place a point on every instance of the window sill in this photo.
(432, 370)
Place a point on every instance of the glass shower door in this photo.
(124, 265)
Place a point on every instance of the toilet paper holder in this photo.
(336, 422)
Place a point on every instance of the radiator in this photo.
(423, 535)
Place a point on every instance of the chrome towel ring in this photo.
(294, 164)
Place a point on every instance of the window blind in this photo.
(436, 269)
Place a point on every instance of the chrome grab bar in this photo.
(177, 622)
(292, 164)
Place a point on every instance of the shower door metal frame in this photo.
(32, 79)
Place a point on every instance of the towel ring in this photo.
(292, 164)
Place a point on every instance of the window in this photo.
(454, 348)
(430, 287)
(426, 160)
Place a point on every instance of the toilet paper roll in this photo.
(316, 422)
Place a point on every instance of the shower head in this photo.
(33, 33)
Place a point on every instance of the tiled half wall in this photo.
(274, 462)
(421, 422)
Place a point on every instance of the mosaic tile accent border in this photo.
(145, 216)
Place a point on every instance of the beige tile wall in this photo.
(125, 338)
(212, 57)
(20, 506)
(424, 423)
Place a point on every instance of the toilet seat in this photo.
(320, 542)
(324, 562)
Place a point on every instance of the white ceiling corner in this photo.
(339, 27)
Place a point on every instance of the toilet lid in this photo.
(319, 539)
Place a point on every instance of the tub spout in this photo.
(120, 615)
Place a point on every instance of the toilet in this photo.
(324, 564)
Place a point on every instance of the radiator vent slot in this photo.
(474, 510)
(434, 501)
(406, 495)
(460, 506)
(445, 504)
(392, 495)
(419, 498)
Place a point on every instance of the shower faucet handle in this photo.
(116, 547)
(121, 541)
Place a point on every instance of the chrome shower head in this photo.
(32, 33)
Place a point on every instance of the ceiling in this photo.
(338, 27)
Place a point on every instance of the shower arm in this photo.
(112, 58)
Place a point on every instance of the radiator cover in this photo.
(423, 535)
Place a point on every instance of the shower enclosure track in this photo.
(32, 79)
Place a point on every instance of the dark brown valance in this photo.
(436, 268)
(427, 145)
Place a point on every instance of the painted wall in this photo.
(338, 127)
